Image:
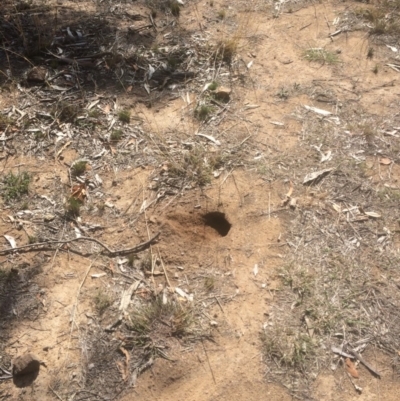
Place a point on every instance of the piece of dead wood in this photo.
(108, 252)
(364, 362)
(341, 353)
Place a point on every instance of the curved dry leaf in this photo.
(289, 194)
(373, 214)
(385, 160)
(351, 368)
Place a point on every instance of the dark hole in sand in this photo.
(218, 222)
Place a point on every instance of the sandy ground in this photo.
(231, 367)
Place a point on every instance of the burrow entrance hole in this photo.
(218, 222)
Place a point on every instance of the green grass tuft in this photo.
(15, 185)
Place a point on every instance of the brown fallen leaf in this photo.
(385, 160)
(79, 192)
(351, 368)
(289, 194)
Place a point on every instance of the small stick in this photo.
(55, 393)
(109, 252)
(208, 361)
(164, 269)
(269, 205)
(219, 304)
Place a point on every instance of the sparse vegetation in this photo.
(116, 135)
(66, 112)
(32, 239)
(156, 317)
(212, 86)
(78, 168)
(320, 55)
(102, 301)
(124, 116)
(175, 8)
(227, 49)
(15, 185)
(196, 167)
(221, 14)
(203, 112)
(73, 207)
(209, 283)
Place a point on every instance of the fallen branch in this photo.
(108, 252)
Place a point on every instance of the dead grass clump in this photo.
(382, 19)
(227, 49)
(194, 167)
(288, 348)
(66, 112)
(157, 319)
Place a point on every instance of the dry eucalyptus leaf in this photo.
(385, 160)
(373, 214)
(351, 368)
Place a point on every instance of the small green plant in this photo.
(288, 349)
(102, 301)
(32, 239)
(78, 168)
(221, 14)
(375, 70)
(116, 135)
(320, 55)
(4, 122)
(95, 113)
(15, 185)
(211, 3)
(73, 207)
(203, 112)
(175, 8)
(212, 86)
(124, 116)
(370, 53)
(24, 206)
